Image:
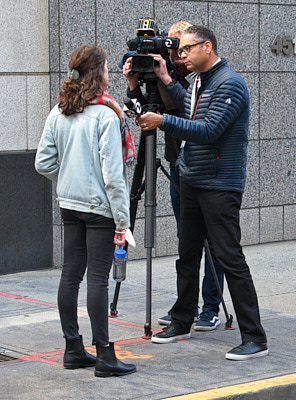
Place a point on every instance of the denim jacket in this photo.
(83, 152)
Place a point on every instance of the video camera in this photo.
(149, 40)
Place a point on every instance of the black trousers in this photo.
(214, 213)
(88, 242)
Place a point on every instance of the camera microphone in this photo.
(132, 108)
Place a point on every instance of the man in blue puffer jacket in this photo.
(212, 169)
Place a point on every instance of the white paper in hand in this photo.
(129, 238)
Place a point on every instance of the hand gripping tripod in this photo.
(146, 159)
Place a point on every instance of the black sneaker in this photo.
(167, 319)
(169, 334)
(247, 350)
(208, 321)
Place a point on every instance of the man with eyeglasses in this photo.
(208, 318)
(212, 169)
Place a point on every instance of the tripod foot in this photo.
(113, 311)
(113, 314)
(228, 325)
(147, 332)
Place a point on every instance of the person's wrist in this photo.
(167, 80)
(132, 84)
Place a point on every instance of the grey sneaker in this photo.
(208, 321)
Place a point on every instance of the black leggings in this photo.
(88, 242)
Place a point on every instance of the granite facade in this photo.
(36, 43)
(25, 196)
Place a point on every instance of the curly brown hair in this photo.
(75, 95)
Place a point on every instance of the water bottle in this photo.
(119, 264)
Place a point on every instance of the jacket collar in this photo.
(205, 75)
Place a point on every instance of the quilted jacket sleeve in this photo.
(225, 107)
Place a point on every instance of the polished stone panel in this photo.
(271, 224)
(289, 222)
(166, 237)
(277, 105)
(249, 222)
(238, 38)
(24, 36)
(13, 121)
(251, 194)
(54, 36)
(277, 172)
(55, 82)
(252, 82)
(38, 107)
(195, 12)
(77, 27)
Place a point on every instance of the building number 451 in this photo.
(285, 45)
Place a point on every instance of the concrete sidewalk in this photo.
(31, 342)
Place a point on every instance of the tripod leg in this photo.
(136, 191)
(150, 207)
(229, 318)
(113, 310)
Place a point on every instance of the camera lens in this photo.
(142, 63)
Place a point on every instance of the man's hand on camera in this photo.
(149, 121)
(131, 78)
(160, 70)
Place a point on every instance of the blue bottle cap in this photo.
(120, 253)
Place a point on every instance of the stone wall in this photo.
(25, 206)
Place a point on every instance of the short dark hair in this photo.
(204, 33)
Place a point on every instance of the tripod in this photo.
(146, 159)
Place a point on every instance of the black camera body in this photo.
(149, 41)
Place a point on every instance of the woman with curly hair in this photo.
(85, 146)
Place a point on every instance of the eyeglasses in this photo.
(187, 48)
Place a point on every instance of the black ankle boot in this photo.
(75, 355)
(107, 364)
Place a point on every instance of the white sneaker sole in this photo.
(206, 328)
(167, 323)
(236, 357)
(172, 339)
(163, 322)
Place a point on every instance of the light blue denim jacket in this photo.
(83, 152)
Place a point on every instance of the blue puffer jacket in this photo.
(215, 154)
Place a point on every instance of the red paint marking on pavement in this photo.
(38, 356)
(14, 296)
(130, 324)
(38, 359)
(47, 354)
(130, 341)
